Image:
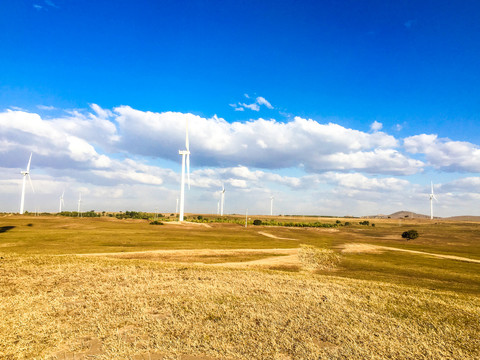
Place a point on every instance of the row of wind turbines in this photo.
(26, 174)
(185, 164)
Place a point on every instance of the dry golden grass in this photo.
(122, 305)
(56, 307)
(313, 258)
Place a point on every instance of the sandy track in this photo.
(285, 260)
(186, 223)
(283, 257)
(369, 248)
(197, 252)
(274, 236)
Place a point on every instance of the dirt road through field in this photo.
(369, 248)
(274, 236)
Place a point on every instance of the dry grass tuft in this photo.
(313, 258)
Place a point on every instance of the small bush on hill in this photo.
(257, 222)
(156, 222)
(410, 234)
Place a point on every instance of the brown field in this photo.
(104, 288)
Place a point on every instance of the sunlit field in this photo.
(104, 288)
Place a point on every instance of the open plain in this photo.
(104, 288)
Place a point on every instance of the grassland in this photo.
(158, 292)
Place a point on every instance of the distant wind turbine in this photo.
(222, 200)
(176, 208)
(432, 196)
(62, 203)
(79, 203)
(25, 174)
(185, 159)
(271, 205)
(218, 207)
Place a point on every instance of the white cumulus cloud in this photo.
(445, 154)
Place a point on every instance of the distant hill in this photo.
(401, 215)
(412, 215)
(464, 218)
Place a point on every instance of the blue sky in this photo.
(292, 78)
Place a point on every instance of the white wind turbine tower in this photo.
(432, 196)
(62, 203)
(79, 202)
(222, 200)
(25, 174)
(271, 205)
(176, 208)
(185, 159)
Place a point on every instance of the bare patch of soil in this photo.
(186, 223)
(290, 260)
(360, 248)
(274, 236)
(235, 257)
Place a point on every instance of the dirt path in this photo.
(186, 223)
(285, 260)
(369, 248)
(274, 236)
(281, 257)
(195, 252)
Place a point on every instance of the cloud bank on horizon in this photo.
(126, 158)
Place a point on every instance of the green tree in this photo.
(410, 234)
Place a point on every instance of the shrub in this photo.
(366, 222)
(410, 234)
(347, 223)
(257, 222)
(156, 222)
(313, 258)
(199, 217)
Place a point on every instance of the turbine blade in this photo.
(29, 161)
(188, 170)
(187, 144)
(30, 181)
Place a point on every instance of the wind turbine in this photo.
(62, 203)
(218, 207)
(25, 174)
(185, 159)
(432, 196)
(222, 200)
(176, 208)
(271, 205)
(79, 202)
